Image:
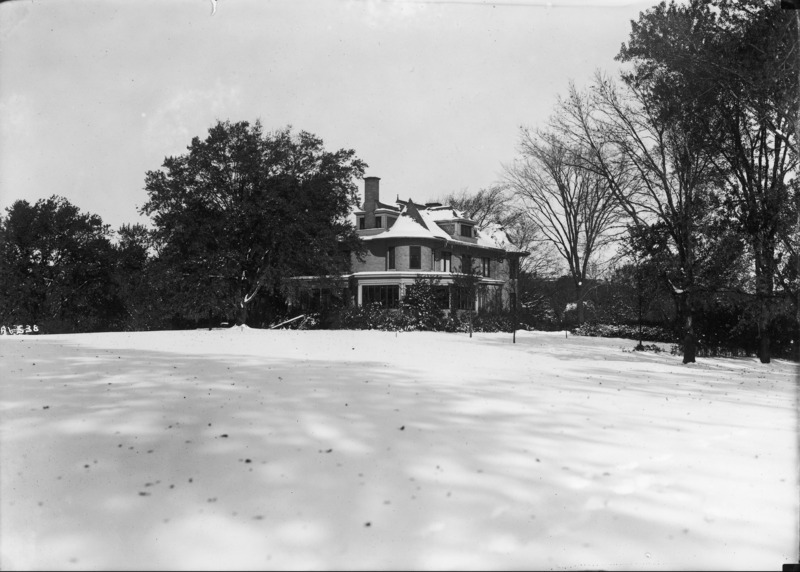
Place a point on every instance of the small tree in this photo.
(422, 303)
(466, 284)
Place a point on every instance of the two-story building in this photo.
(406, 240)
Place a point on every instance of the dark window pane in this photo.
(414, 257)
(442, 297)
(386, 296)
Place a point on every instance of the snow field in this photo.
(250, 449)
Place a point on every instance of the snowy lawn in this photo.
(240, 449)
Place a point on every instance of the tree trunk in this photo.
(764, 291)
(241, 318)
(579, 302)
(470, 322)
(640, 299)
(687, 323)
(764, 316)
(689, 340)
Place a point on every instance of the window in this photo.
(461, 298)
(362, 223)
(513, 300)
(466, 230)
(486, 267)
(414, 257)
(466, 264)
(442, 296)
(378, 222)
(513, 267)
(390, 258)
(315, 299)
(447, 262)
(386, 296)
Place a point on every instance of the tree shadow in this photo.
(134, 459)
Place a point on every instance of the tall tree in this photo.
(658, 168)
(243, 211)
(138, 280)
(57, 268)
(571, 204)
(497, 206)
(732, 67)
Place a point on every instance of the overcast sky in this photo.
(430, 94)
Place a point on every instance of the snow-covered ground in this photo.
(240, 449)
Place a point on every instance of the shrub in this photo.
(652, 333)
(420, 305)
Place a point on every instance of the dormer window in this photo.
(466, 230)
(378, 222)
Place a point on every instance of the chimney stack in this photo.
(371, 198)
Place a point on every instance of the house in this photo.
(407, 240)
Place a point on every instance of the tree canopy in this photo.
(727, 73)
(57, 268)
(243, 211)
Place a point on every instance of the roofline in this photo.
(400, 275)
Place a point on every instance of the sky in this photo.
(430, 94)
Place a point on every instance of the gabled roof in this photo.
(417, 221)
(445, 213)
(495, 236)
(404, 227)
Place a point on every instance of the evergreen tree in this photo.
(422, 303)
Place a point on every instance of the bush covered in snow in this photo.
(651, 333)
(405, 318)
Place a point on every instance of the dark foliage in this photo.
(58, 269)
(245, 211)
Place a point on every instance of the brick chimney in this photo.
(371, 198)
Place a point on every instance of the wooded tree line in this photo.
(687, 162)
(233, 218)
(684, 167)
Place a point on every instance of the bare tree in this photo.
(657, 169)
(497, 205)
(572, 205)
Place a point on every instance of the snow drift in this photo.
(245, 449)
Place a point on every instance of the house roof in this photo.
(495, 236)
(420, 221)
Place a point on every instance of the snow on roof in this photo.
(430, 220)
(494, 236)
(414, 218)
(404, 227)
(443, 213)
